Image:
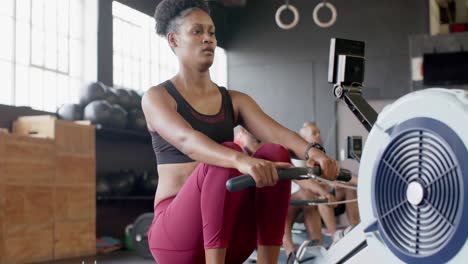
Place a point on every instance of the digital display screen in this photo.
(357, 144)
(445, 69)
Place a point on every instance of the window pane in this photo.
(63, 17)
(22, 85)
(6, 8)
(117, 35)
(118, 62)
(36, 91)
(50, 14)
(63, 55)
(51, 51)
(155, 73)
(145, 76)
(6, 44)
(117, 79)
(136, 42)
(135, 74)
(42, 48)
(37, 14)
(22, 43)
(75, 86)
(37, 47)
(76, 18)
(6, 75)
(23, 8)
(125, 41)
(50, 91)
(63, 93)
(127, 72)
(118, 9)
(75, 58)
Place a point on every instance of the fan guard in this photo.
(418, 191)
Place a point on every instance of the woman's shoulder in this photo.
(157, 93)
(240, 97)
(235, 93)
(159, 89)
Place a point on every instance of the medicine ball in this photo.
(135, 99)
(70, 112)
(99, 112)
(136, 120)
(119, 117)
(124, 97)
(92, 92)
(111, 96)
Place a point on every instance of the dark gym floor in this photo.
(121, 257)
(117, 257)
(129, 257)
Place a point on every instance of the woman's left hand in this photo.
(329, 167)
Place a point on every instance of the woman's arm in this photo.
(161, 116)
(266, 129)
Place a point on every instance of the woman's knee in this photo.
(273, 152)
(217, 171)
(232, 145)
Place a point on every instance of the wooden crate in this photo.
(76, 138)
(72, 238)
(27, 172)
(47, 191)
(35, 126)
(27, 160)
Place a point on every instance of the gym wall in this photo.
(348, 125)
(286, 70)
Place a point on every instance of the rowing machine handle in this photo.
(245, 181)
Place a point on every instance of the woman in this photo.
(191, 120)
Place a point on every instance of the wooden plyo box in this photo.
(47, 191)
(26, 195)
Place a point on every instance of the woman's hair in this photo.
(168, 13)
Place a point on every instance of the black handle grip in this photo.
(345, 175)
(245, 181)
(240, 182)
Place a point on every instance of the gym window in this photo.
(42, 53)
(141, 58)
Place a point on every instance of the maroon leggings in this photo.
(205, 215)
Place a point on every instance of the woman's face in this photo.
(195, 41)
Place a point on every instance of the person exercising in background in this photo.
(311, 133)
(191, 121)
(246, 141)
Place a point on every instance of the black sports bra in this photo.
(219, 127)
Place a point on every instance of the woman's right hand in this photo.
(264, 172)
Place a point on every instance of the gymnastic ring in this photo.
(293, 9)
(333, 17)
